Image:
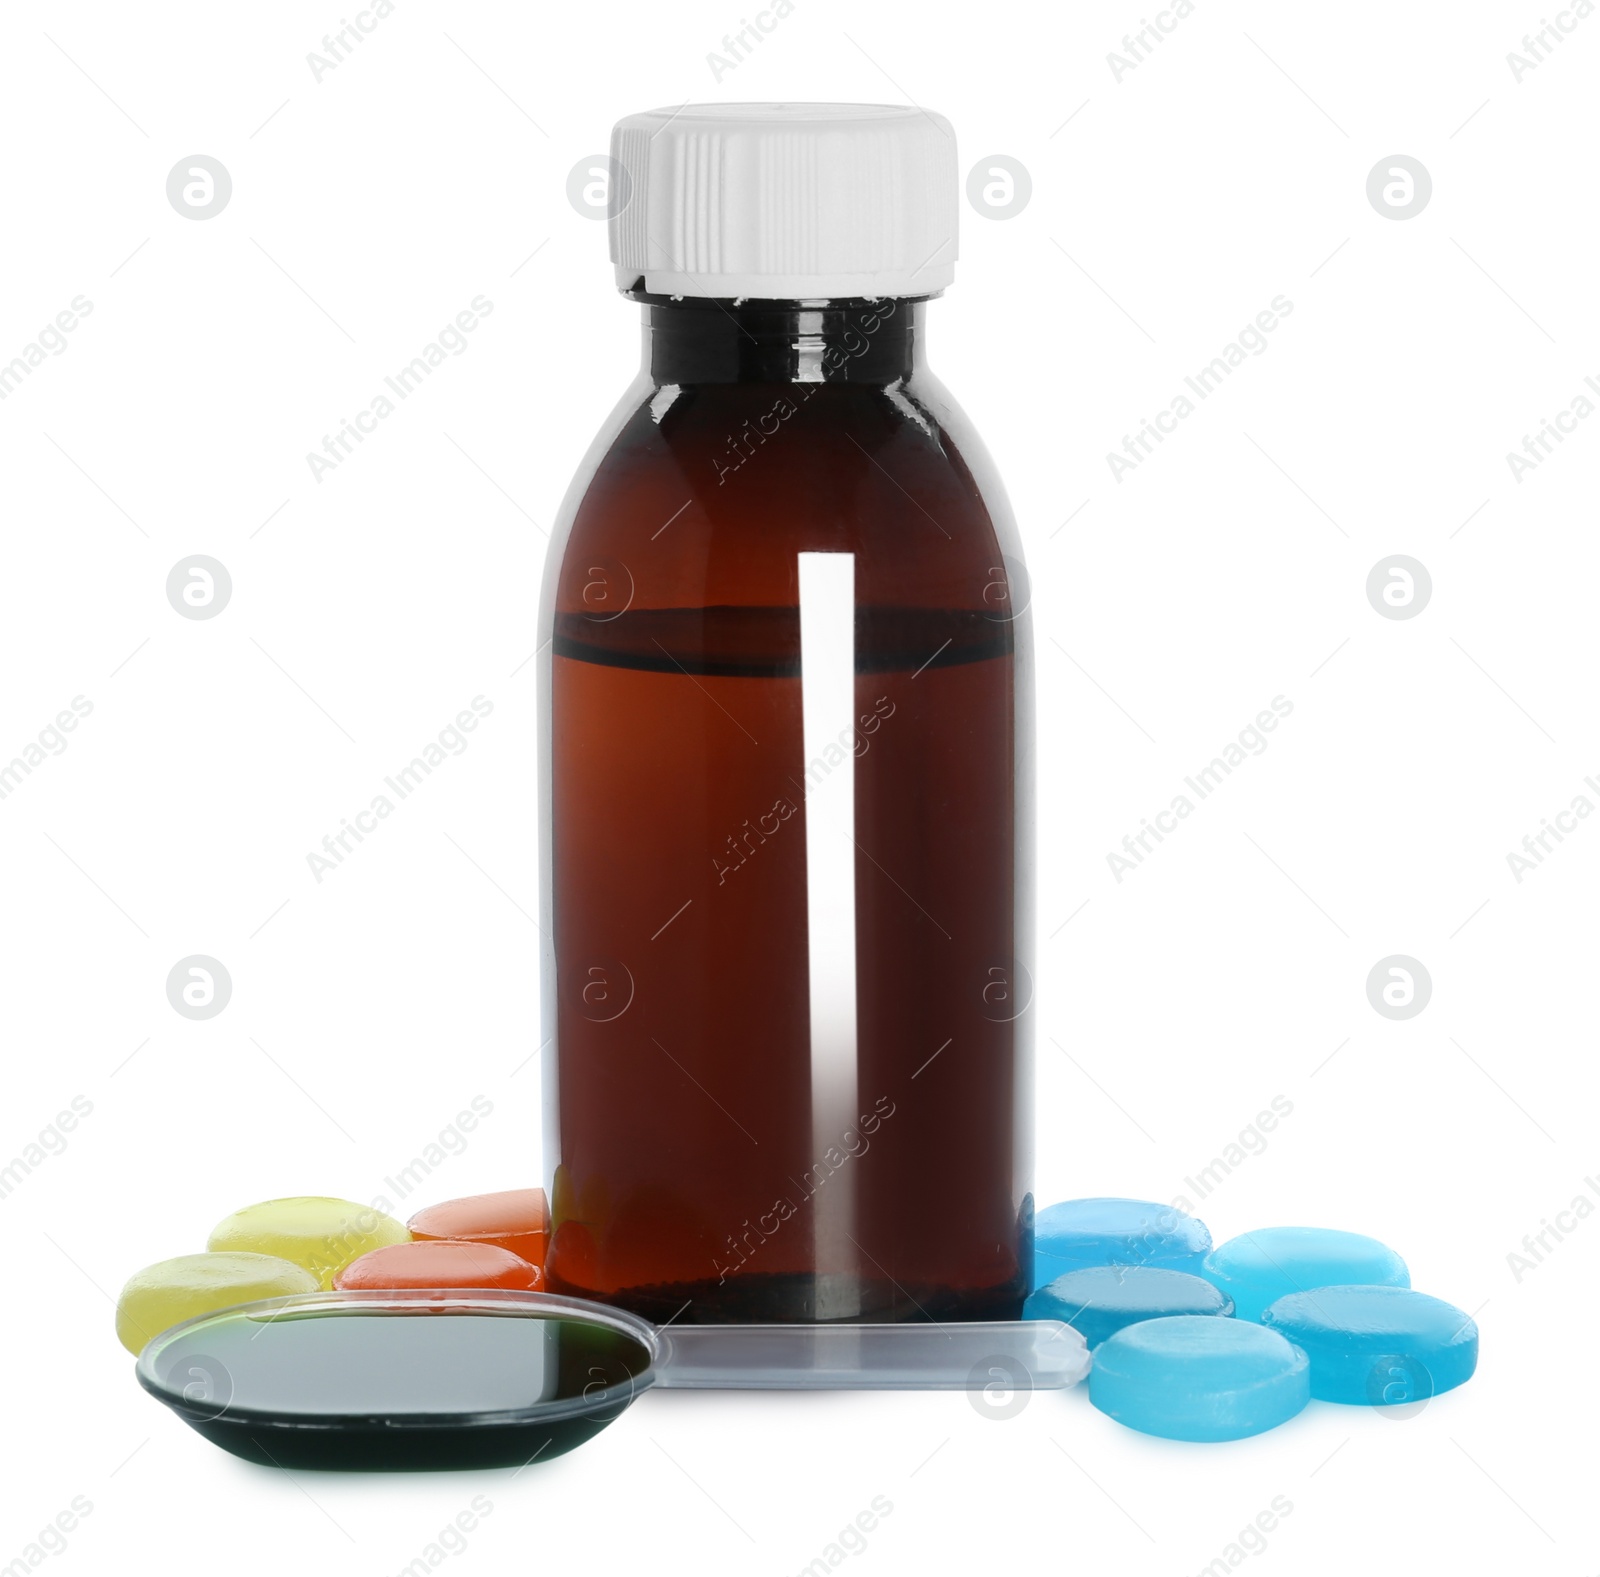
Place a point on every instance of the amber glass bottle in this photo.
(786, 774)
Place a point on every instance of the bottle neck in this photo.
(699, 340)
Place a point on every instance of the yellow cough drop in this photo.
(322, 1235)
(163, 1295)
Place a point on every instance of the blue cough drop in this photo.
(1099, 1301)
(1377, 1346)
(1195, 1377)
(1257, 1268)
(1082, 1232)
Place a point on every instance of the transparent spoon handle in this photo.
(1017, 1355)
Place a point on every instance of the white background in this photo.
(1168, 208)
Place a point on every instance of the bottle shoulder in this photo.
(707, 492)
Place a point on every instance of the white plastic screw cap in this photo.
(786, 201)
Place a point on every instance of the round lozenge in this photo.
(444, 1264)
(1078, 1233)
(1195, 1377)
(1377, 1346)
(166, 1294)
(1099, 1301)
(1257, 1268)
(321, 1234)
(517, 1219)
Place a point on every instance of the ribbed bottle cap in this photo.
(785, 201)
